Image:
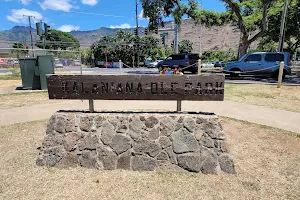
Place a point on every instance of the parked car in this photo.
(77, 62)
(154, 63)
(219, 64)
(57, 63)
(208, 65)
(182, 61)
(147, 62)
(260, 63)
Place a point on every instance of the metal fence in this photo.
(9, 57)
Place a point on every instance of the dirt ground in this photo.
(8, 83)
(267, 163)
(24, 99)
(284, 98)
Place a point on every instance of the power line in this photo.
(96, 14)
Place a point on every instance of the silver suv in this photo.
(260, 63)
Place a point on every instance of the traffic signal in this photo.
(172, 44)
(146, 31)
(163, 40)
(136, 32)
(39, 29)
(47, 29)
(156, 30)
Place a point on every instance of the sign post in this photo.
(137, 87)
(164, 34)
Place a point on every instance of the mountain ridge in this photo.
(212, 38)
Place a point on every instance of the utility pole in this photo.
(176, 38)
(200, 36)
(200, 40)
(29, 20)
(282, 27)
(137, 29)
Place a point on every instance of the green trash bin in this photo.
(30, 77)
(45, 66)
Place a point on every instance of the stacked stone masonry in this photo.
(136, 141)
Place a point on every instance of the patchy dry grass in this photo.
(267, 163)
(24, 99)
(285, 98)
(10, 83)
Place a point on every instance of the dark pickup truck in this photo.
(181, 61)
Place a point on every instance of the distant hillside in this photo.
(214, 38)
(16, 34)
(87, 38)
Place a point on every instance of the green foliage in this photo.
(123, 46)
(225, 56)
(213, 18)
(156, 10)
(19, 51)
(292, 30)
(185, 46)
(58, 39)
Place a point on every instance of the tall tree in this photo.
(58, 39)
(122, 46)
(19, 50)
(251, 16)
(292, 30)
(185, 46)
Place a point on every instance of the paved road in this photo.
(291, 80)
(4, 71)
(285, 120)
(112, 70)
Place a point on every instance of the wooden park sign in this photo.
(137, 87)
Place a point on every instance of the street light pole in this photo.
(282, 27)
(176, 37)
(137, 29)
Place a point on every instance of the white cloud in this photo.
(17, 16)
(141, 16)
(121, 26)
(89, 2)
(68, 28)
(63, 5)
(25, 2)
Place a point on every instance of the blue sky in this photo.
(68, 15)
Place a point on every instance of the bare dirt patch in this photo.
(10, 83)
(24, 99)
(284, 98)
(267, 163)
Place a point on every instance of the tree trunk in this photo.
(243, 46)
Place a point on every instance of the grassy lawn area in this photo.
(10, 82)
(24, 99)
(267, 163)
(285, 98)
